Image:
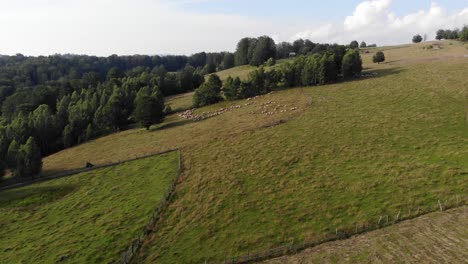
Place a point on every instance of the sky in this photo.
(126, 27)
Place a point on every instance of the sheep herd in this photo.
(267, 108)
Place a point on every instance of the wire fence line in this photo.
(81, 170)
(340, 234)
(151, 226)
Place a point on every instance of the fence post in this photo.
(440, 206)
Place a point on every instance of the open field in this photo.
(440, 237)
(87, 218)
(180, 102)
(362, 149)
(243, 71)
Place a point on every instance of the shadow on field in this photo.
(171, 125)
(32, 197)
(378, 73)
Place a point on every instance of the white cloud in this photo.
(373, 21)
(104, 27)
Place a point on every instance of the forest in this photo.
(49, 103)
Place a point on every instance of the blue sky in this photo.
(308, 10)
(105, 27)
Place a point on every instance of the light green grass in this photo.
(91, 217)
(243, 71)
(362, 149)
(181, 102)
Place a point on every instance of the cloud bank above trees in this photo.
(104, 27)
(374, 21)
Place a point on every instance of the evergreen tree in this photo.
(30, 160)
(363, 45)
(13, 154)
(115, 109)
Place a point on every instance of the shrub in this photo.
(378, 57)
(417, 39)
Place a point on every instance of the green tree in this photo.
(30, 160)
(242, 51)
(464, 33)
(67, 137)
(354, 44)
(149, 110)
(417, 39)
(44, 127)
(228, 60)
(231, 88)
(264, 50)
(352, 64)
(440, 34)
(363, 45)
(209, 92)
(12, 154)
(327, 69)
(378, 57)
(115, 109)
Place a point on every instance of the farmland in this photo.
(392, 141)
(90, 217)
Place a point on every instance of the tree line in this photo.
(51, 103)
(320, 68)
(453, 34)
(257, 51)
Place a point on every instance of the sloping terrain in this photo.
(90, 217)
(277, 169)
(440, 237)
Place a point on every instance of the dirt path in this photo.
(440, 237)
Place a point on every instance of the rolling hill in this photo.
(297, 164)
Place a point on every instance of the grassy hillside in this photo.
(243, 71)
(86, 218)
(180, 102)
(439, 237)
(361, 149)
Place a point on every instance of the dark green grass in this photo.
(86, 218)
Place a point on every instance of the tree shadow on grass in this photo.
(171, 124)
(379, 73)
(33, 197)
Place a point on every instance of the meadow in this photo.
(432, 238)
(392, 141)
(90, 217)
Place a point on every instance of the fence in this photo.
(77, 171)
(135, 246)
(339, 234)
